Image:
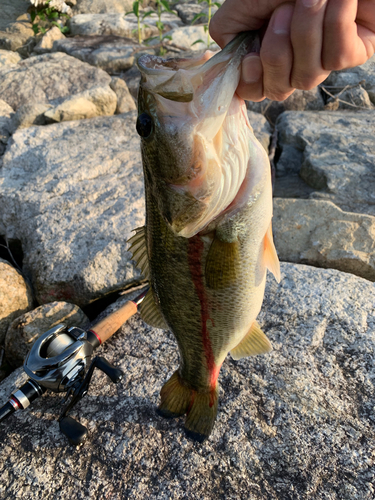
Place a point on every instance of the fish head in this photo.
(185, 107)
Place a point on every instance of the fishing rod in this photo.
(61, 361)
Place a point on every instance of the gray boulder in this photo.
(261, 127)
(15, 296)
(352, 99)
(104, 6)
(300, 100)
(120, 25)
(320, 234)
(125, 101)
(186, 36)
(97, 101)
(15, 27)
(26, 329)
(132, 78)
(72, 193)
(6, 115)
(30, 114)
(293, 423)
(11, 10)
(7, 58)
(187, 12)
(46, 43)
(364, 75)
(113, 54)
(334, 154)
(48, 79)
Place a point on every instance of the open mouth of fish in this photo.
(192, 104)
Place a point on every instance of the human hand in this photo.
(303, 41)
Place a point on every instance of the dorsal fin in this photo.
(150, 312)
(254, 342)
(139, 250)
(271, 259)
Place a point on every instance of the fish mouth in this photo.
(198, 97)
(178, 79)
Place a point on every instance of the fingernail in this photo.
(310, 3)
(252, 69)
(282, 20)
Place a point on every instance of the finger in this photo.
(277, 55)
(250, 87)
(232, 18)
(342, 45)
(307, 41)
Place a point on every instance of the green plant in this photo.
(161, 7)
(49, 16)
(206, 26)
(137, 13)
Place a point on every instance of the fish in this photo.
(207, 241)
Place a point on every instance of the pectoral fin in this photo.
(255, 342)
(222, 262)
(150, 312)
(139, 250)
(271, 259)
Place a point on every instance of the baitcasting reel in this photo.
(61, 361)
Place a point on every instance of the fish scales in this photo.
(207, 235)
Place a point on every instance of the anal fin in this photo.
(271, 259)
(150, 312)
(255, 342)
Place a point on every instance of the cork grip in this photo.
(109, 325)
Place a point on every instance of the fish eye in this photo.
(144, 125)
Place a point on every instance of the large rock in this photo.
(187, 36)
(15, 296)
(261, 127)
(72, 193)
(110, 53)
(364, 74)
(187, 12)
(11, 10)
(98, 101)
(104, 6)
(30, 114)
(125, 101)
(320, 234)
(48, 78)
(18, 35)
(15, 26)
(120, 25)
(47, 41)
(26, 329)
(132, 78)
(6, 115)
(352, 98)
(300, 100)
(295, 423)
(334, 154)
(7, 58)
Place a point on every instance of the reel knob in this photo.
(73, 430)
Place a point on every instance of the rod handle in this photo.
(109, 325)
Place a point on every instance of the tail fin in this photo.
(202, 415)
(201, 407)
(175, 398)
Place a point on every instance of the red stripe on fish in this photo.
(195, 252)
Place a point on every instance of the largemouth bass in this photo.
(207, 241)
